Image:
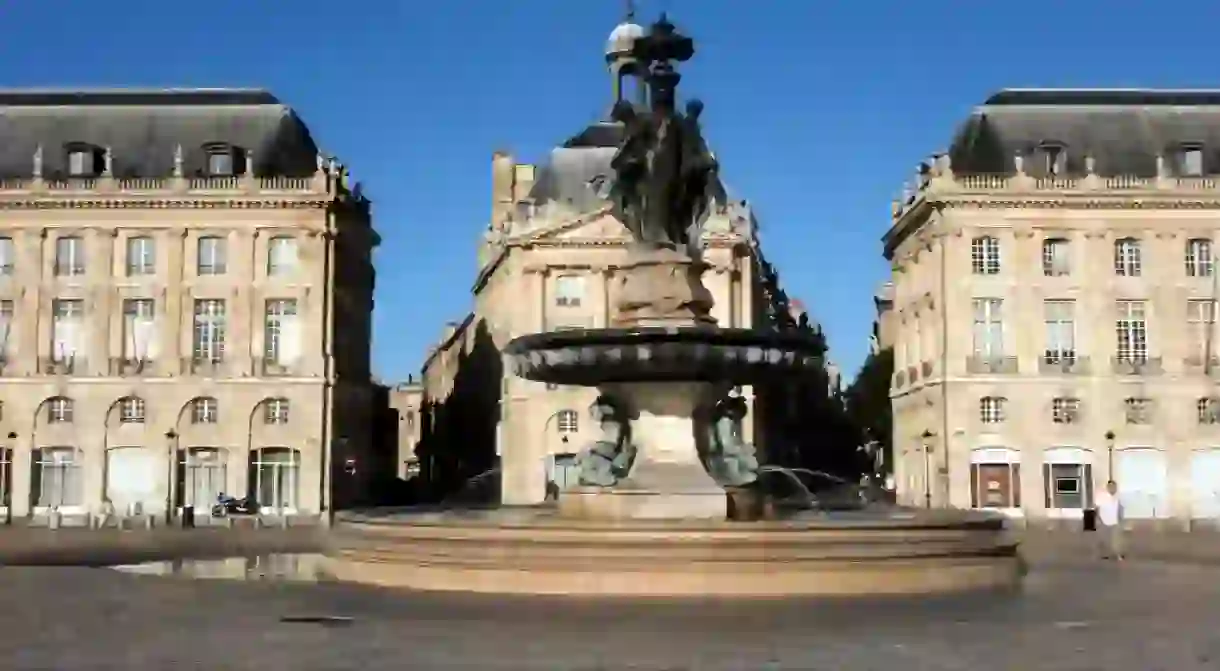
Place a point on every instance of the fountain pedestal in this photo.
(668, 479)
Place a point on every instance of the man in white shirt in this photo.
(1110, 522)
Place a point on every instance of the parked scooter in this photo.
(229, 505)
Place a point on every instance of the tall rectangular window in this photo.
(67, 329)
(139, 329)
(211, 258)
(1128, 258)
(985, 255)
(1198, 257)
(988, 327)
(8, 257)
(1200, 320)
(1056, 257)
(209, 330)
(569, 290)
(1059, 324)
(69, 256)
(1131, 329)
(281, 256)
(282, 332)
(7, 336)
(141, 256)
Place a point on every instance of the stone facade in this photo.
(1052, 311)
(167, 321)
(406, 400)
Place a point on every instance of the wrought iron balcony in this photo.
(124, 366)
(1136, 365)
(204, 366)
(54, 365)
(1060, 363)
(991, 365)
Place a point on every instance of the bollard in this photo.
(148, 521)
(283, 521)
(53, 520)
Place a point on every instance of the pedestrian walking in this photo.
(1110, 522)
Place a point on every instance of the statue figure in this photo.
(730, 461)
(666, 181)
(607, 459)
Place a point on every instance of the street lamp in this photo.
(1109, 455)
(7, 478)
(927, 467)
(171, 450)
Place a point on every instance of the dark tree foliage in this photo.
(867, 401)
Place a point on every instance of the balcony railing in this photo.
(991, 365)
(1059, 364)
(319, 183)
(73, 365)
(272, 368)
(203, 366)
(1136, 365)
(124, 366)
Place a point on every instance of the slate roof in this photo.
(142, 128)
(1122, 129)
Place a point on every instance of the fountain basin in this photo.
(537, 552)
(592, 357)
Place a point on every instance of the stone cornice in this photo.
(119, 203)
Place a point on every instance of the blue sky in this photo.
(818, 109)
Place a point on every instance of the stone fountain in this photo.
(669, 502)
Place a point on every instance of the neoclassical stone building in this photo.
(172, 267)
(1053, 304)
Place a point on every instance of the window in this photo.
(1068, 486)
(82, 161)
(275, 477)
(220, 160)
(205, 410)
(1190, 160)
(281, 256)
(69, 256)
(67, 329)
(567, 421)
(139, 329)
(569, 290)
(8, 257)
(1199, 257)
(985, 255)
(1200, 320)
(141, 256)
(1128, 258)
(1054, 158)
(275, 411)
(211, 256)
(1059, 323)
(202, 474)
(131, 410)
(1056, 257)
(281, 332)
(1065, 410)
(1132, 331)
(60, 410)
(988, 327)
(6, 329)
(209, 331)
(991, 409)
(995, 485)
(56, 478)
(1208, 409)
(1137, 410)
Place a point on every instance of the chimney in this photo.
(503, 185)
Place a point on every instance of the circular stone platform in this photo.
(535, 552)
(592, 357)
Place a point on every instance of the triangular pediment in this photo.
(599, 225)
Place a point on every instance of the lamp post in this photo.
(1109, 455)
(927, 467)
(171, 452)
(6, 478)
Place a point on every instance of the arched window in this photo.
(567, 421)
(275, 478)
(202, 472)
(205, 410)
(131, 410)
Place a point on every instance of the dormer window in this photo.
(1053, 158)
(1190, 160)
(83, 160)
(224, 160)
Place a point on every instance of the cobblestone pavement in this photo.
(1141, 616)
